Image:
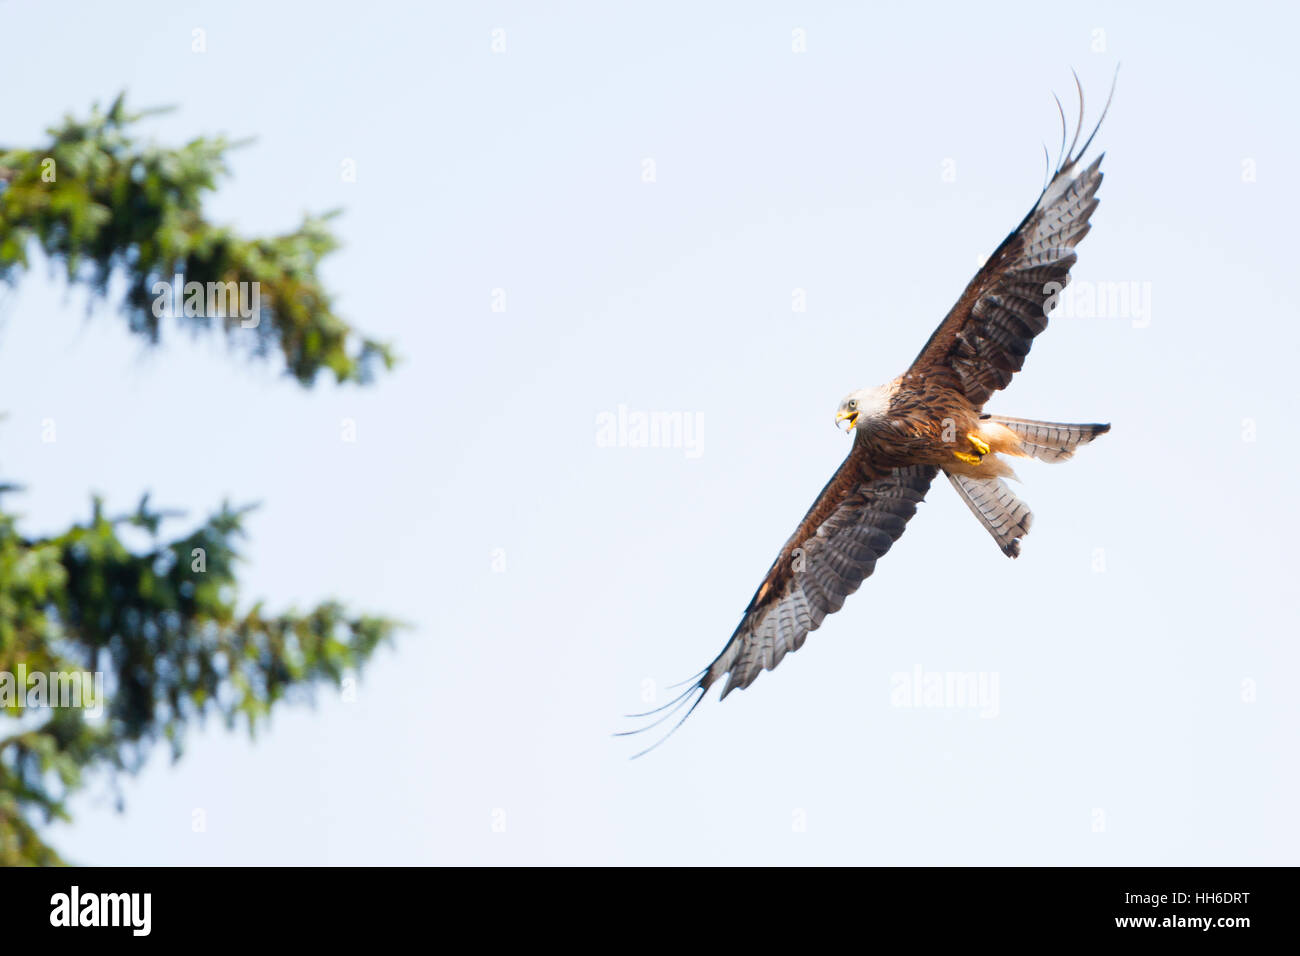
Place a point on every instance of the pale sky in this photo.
(1141, 647)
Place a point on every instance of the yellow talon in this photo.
(969, 459)
(980, 445)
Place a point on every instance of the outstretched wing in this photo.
(854, 521)
(985, 338)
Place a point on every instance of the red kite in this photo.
(930, 419)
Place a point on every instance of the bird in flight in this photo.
(930, 419)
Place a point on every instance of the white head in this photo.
(865, 404)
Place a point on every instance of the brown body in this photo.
(928, 423)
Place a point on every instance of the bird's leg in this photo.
(981, 449)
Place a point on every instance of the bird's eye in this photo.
(853, 404)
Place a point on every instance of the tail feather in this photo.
(1050, 441)
(1005, 516)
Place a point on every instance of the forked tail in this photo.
(1049, 441)
(1006, 516)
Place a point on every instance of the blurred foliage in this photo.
(102, 204)
(159, 620)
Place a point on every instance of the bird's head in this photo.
(863, 405)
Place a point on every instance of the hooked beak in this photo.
(850, 417)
